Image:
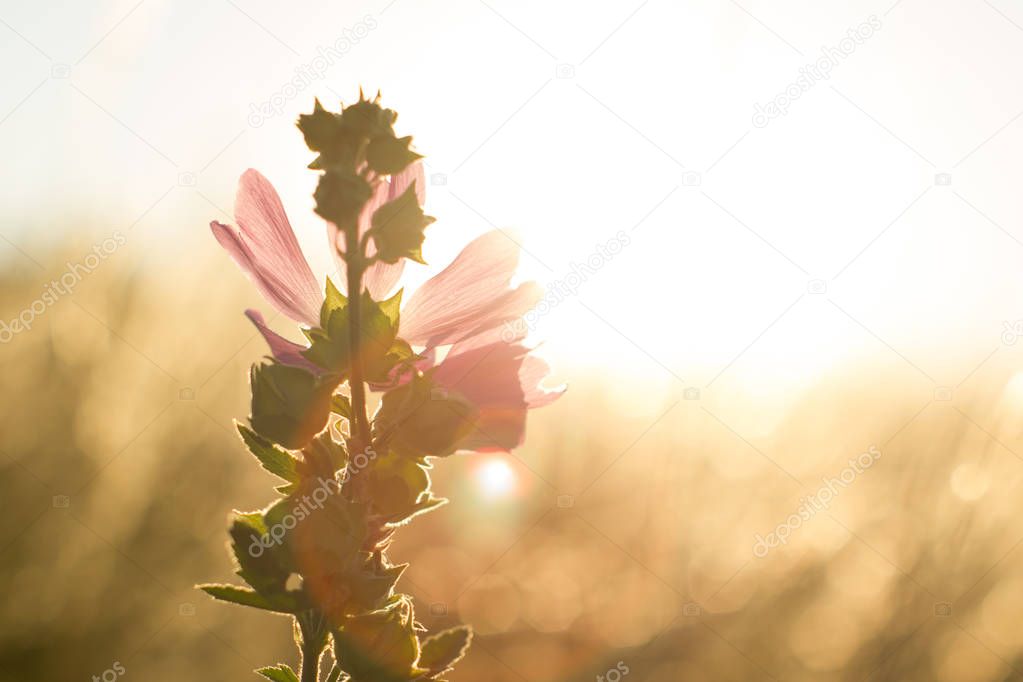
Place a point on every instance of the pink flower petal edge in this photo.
(471, 295)
(287, 352)
(265, 248)
(503, 380)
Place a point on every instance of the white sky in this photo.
(716, 275)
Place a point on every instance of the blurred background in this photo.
(787, 241)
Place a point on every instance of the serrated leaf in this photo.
(279, 673)
(274, 459)
(441, 651)
(398, 228)
(241, 596)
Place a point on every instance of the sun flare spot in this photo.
(496, 478)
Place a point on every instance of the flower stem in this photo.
(356, 264)
(310, 663)
(311, 639)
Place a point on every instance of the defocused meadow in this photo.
(620, 538)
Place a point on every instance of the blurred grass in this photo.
(120, 398)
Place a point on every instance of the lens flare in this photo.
(496, 478)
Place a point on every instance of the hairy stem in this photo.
(310, 661)
(355, 262)
(310, 638)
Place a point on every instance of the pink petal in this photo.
(265, 248)
(381, 278)
(284, 351)
(490, 372)
(471, 295)
(503, 381)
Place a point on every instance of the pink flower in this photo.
(502, 380)
(466, 304)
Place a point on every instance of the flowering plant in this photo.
(318, 552)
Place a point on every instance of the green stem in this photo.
(311, 661)
(355, 262)
(310, 638)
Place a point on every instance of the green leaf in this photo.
(274, 459)
(421, 419)
(441, 651)
(279, 673)
(239, 595)
(387, 154)
(289, 405)
(341, 405)
(398, 228)
(340, 195)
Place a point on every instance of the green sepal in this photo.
(324, 457)
(367, 119)
(323, 132)
(289, 404)
(398, 228)
(381, 646)
(279, 673)
(381, 350)
(341, 405)
(387, 154)
(340, 195)
(399, 488)
(421, 419)
(333, 300)
(372, 587)
(441, 651)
